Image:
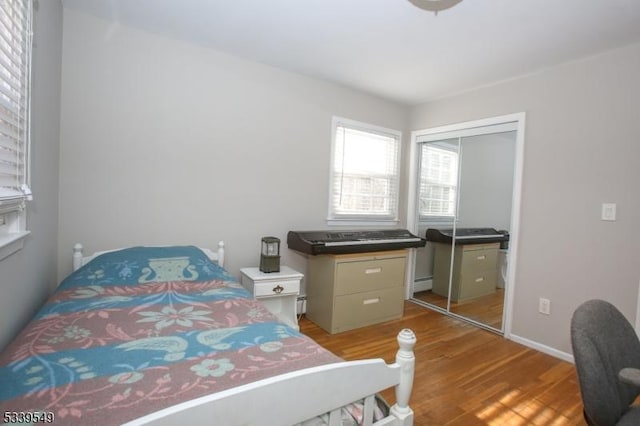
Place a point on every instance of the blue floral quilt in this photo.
(141, 329)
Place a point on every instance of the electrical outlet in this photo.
(544, 306)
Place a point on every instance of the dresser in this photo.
(475, 270)
(348, 291)
(278, 291)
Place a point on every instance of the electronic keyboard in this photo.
(339, 242)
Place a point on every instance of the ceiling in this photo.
(390, 48)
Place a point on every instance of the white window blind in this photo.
(15, 70)
(364, 172)
(438, 182)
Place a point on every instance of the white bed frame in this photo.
(294, 397)
(79, 259)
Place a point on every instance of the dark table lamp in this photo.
(270, 255)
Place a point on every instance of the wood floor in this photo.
(485, 309)
(466, 375)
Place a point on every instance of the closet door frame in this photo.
(466, 129)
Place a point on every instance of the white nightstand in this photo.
(278, 291)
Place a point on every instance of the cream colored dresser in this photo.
(475, 270)
(348, 291)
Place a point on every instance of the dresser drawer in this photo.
(479, 260)
(276, 288)
(368, 275)
(357, 310)
(474, 285)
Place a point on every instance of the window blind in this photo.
(15, 75)
(365, 173)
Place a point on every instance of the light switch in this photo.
(608, 211)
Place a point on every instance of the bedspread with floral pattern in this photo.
(139, 330)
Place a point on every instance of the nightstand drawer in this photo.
(276, 288)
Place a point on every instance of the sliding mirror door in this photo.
(486, 192)
(466, 189)
(437, 202)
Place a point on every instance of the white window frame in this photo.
(16, 19)
(335, 217)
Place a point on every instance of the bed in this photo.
(162, 335)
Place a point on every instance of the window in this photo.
(438, 182)
(15, 75)
(364, 172)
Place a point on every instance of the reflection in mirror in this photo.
(465, 192)
(437, 201)
(486, 192)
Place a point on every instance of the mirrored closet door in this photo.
(465, 186)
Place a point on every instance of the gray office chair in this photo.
(607, 356)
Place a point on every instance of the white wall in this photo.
(27, 277)
(164, 142)
(138, 110)
(486, 181)
(581, 149)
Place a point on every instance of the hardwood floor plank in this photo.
(466, 375)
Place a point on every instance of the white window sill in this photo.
(362, 222)
(440, 221)
(11, 243)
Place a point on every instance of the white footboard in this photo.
(292, 398)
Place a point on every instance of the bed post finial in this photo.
(77, 256)
(221, 254)
(407, 360)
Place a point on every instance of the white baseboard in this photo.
(543, 348)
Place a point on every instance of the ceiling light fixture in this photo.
(434, 5)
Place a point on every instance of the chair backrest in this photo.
(603, 343)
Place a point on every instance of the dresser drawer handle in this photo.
(481, 257)
(371, 301)
(480, 279)
(278, 289)
(373, 271)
